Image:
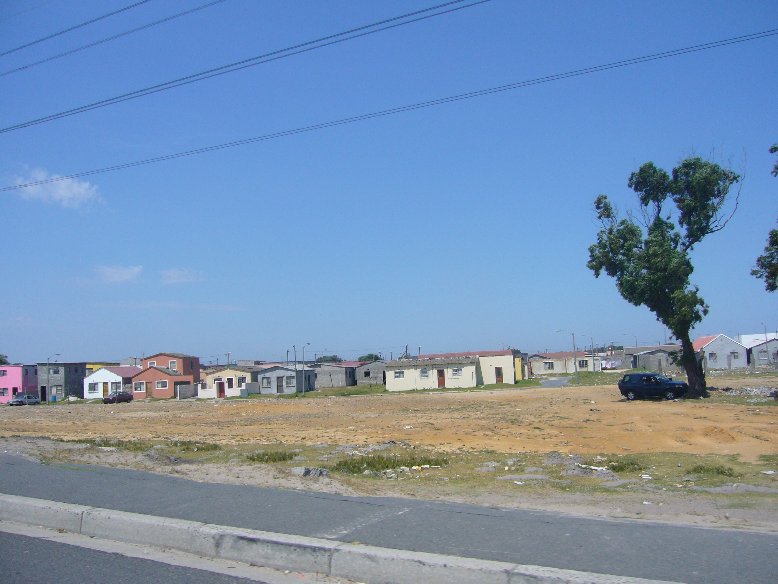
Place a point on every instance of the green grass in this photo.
(131, 445)
(380, 462)
(267, 456)
(626, 464)
(190, 446)
(714, 470)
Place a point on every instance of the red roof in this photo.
(703, 342)
(125, 370)
(467, 354)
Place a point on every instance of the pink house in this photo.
(10, 382)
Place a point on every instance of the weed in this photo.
(192, 446)
(131, 445)
(626, 464)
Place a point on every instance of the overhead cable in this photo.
(340, 37)
(72, 28)
(112, 37)
(412, 107)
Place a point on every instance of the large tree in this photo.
(767, 264)
(3, 359)
(650, 258)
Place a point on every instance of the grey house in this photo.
(281, 380)
(373, 373)
(655, 360)
(62, 380)
(336, 374)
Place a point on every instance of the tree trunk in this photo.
(693, 368)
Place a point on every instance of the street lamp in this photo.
(48, 377)
(303, 380)
(294, 348)
(575, 355)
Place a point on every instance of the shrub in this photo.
(714, 470)
(190, 446)
(627, 464)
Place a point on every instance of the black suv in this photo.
(634, 385)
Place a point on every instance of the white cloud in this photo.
(67, 192)
(118, 274)
(181, 276)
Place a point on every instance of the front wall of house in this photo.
(330, 377)
(51, 381)
(560, 366)
(268, 381)
(151, 376)
(722, 353)
(765, 354)
(371, 374)
(10, 382)
(30, 379)
(99, 377)
(417, 376)
(488, 365)
(186, 365)
(238, 380)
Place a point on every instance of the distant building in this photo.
(720, 352)
(108, 379)
(372, 373)
(563, 363)
(61, 380)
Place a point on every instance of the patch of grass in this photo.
(131, 445)
(380, 462)
(769, 458)
(267, 456)
(708, 469)
(193, 446)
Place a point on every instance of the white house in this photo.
(564, 362)
(408, 374)
(98, 384)
(227, 381)
(492, 366)
(764, 354)
(720, 352)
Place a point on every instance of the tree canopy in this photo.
(767, 264)
(369, 357)
(3, 359)
(650, 260)
(329, 359)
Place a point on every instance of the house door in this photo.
(498, 374)
(441, 378)
(220, 389)
(105, 388)
(279, 384)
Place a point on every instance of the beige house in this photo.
(564, 362)
(228, 381)
(408, 374)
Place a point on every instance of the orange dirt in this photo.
(583, 420)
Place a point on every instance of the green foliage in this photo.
(267, 456)
(4, 360)
(767, 264)
(190, 446)
(650, 262)
(369, 357)
(329, 359)
(714, 470)
(380, 462)
(626, 464)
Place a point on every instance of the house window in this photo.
(3, 391)
(735, 355)
(55, 371)
(366, 373)
(161, 384)
(266, 382)
(711, 356)
(172, 365)
(230, 382)
(583, 363)
(152, 363)
(763, 354)
(548, 365)
(425, 372)
(456, 372)
(116, 386)
(140, 386)
(399, 374)
(92, 388)
(241, 381)
(3, 372)
(290, 380)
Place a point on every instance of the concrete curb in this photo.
(287, 552)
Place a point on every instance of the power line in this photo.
(340, 37)
(412, 107)
(72, 28)
(112, 38)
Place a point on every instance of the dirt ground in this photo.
(582, 421)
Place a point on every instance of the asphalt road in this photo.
(627, 548)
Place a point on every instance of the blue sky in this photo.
(457, 227)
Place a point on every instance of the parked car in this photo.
(116, 397)
(25, 399)
(635, 385)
